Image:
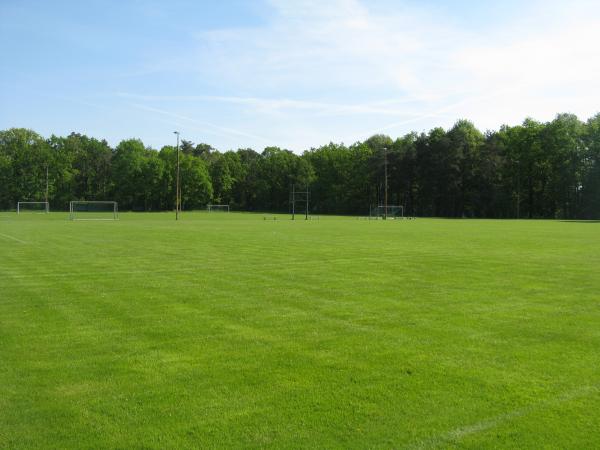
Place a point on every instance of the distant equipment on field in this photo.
(93, 210)
(299, 197)
(33, 207)
(218, 208)
(387, 212)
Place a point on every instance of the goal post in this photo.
(93, 210)
(34, 207)
(218, 208)
(389, 211)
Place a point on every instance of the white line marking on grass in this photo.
(457, 434)
(13, 238)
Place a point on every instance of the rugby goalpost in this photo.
(299, 197)
(218, 208)
(35, 207)
(93, 210)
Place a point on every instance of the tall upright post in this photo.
(177, 199)
(385, 164)
(306, 211)
(518, 189)
(293, 202)
(46, 198)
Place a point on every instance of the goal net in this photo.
(93, 210)
(218, 208)
(389, 211)
(33, 207)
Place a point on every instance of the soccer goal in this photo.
(218, 208)
(33, 207)
(389, 212)
(93, 210)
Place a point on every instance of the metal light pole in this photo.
(293, 202)
(307, 200)
(177, 198)
(385, 164)
(46, 196)
(518, 189)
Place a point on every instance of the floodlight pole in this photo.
(518, 189)
(293, 202)
(385, 164)
(307, 198)
(177, 199)
(47, 188)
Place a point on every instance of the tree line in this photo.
(533, 170)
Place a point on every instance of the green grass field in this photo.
(227, 330)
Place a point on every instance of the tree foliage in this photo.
(532, 170)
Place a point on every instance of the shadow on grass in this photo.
(581, 221)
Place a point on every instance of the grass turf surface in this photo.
(226, 330)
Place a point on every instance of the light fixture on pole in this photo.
(177, 196)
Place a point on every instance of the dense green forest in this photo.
(534, 170)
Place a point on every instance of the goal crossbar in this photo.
(219, 208)
(387, 211)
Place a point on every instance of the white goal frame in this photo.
(72, 211)
(389, 211)
(45, 211)
(219, 208)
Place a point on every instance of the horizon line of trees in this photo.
(532, 170)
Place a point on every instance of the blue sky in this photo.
(292, 73)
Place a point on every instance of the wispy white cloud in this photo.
(336, 45)
(207, 127)
(320, 71)
(442, 112)
(392, 107)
